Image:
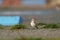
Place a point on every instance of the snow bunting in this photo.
(33, 24)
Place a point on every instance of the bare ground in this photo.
(43, 33)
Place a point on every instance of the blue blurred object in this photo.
(10, 20)
(20, 20)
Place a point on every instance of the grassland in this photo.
(22, 32)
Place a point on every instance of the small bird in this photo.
(33, 24)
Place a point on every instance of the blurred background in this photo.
(47, 11)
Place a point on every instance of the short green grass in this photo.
(18, 26)
(37, 38)
(21, 26)
(31, 38)
(1, 26)
(51, 25)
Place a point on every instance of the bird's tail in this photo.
(36, 27)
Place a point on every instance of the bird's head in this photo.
(32, 20)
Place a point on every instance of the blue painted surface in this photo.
(20, 20)
(10, 20)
